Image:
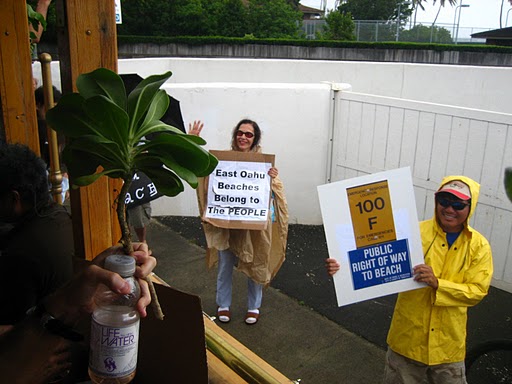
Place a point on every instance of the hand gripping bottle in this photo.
(115, 328)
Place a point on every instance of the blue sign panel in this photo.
(380, 264)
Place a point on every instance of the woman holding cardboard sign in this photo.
(257, 253)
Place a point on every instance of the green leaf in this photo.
(213, 164)
(145, 161)
(106, 152)
(35, 18)
(182, 172)
(185, 152)
(83, 181)
(79, 163)
(155, 126)
(158, 107)
(110, 120)
(196, 139)
(104, 82)
(165, 181)
(68, 117)
(142, 96)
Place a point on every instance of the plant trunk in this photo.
(126, 237)
(126, 241)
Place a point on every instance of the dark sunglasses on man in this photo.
(457, 205)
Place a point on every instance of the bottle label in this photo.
(113, 350)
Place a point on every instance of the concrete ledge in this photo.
(261, 51)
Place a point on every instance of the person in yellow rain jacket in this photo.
(427, 337)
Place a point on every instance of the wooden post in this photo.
(16, 88)
(55, 175)
(87, 41)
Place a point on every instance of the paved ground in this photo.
(301, 332)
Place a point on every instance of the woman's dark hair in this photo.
(257, 134)
(23, 171)
(39, 95)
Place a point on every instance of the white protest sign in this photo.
(238, 192)
(372, 230)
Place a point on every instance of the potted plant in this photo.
(106, 130)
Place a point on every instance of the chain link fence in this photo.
(380, 31)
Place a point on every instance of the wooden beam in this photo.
(16, 88)
(87, 41)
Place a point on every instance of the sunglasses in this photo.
(249, 135)
(457, 205)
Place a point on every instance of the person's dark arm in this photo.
(31, 353)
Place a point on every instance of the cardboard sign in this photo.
(372, 230)
(238, 191)
(142, 190)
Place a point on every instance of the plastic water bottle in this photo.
(115, 328)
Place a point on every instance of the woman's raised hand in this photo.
(195, 128)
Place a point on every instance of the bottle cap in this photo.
(122, 264)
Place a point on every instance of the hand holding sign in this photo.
(332, 266)
(272, 172)
(423, 273)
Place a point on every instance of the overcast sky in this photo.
(481, 14)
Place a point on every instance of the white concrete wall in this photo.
(465, 86)
(485, 88)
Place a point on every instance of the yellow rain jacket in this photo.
(429, 325)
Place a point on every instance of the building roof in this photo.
(305, 9)
(302, 8)
(502, 33)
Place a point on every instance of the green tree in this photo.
(192, 18)
(338, 27)
(232, 16)
(441, 2)
(377, 9)
(209, 18)
(262, 18)
(423, 34)
(273, 19)
(147, 17)
(373, 31)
